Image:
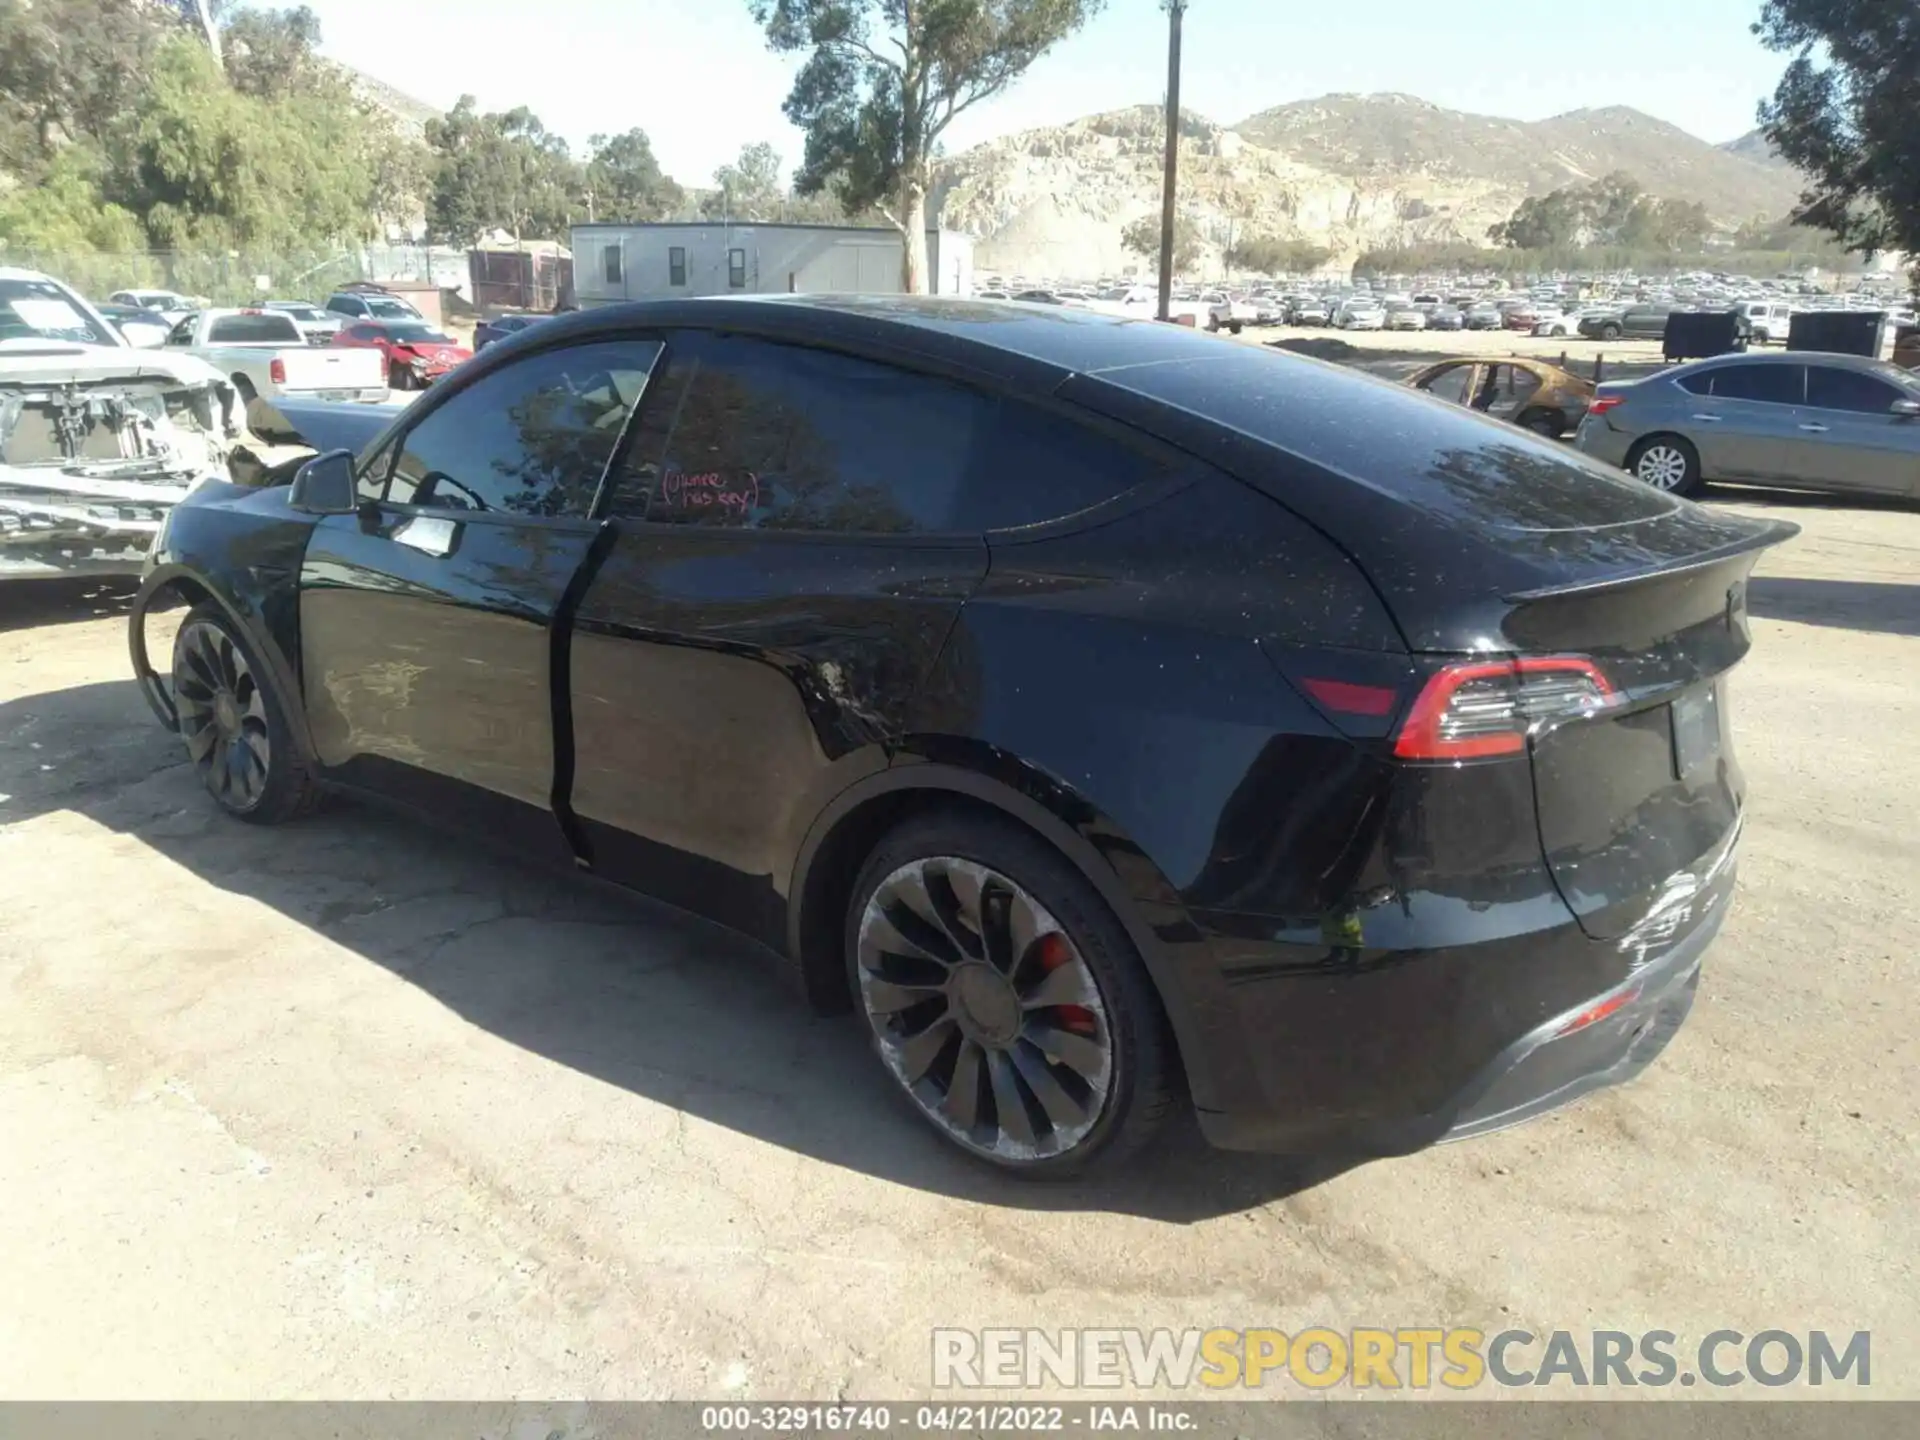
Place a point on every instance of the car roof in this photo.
(1008, 341)
(1785, 357)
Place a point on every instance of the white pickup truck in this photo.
(265, 355)
(1142, 302)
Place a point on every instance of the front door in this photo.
(427, 619)
(1852, 439)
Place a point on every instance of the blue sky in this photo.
(697, 77)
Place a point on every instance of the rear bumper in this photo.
(1389, 1054)
(1555, 1065)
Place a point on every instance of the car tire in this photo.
(1050, 1090)
(1548, 423)
(1666, 462)
(1609, 332)
(233, 721)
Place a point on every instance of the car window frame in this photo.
(1892, 389)
(386, 450)
(1182, 471)
(1720, 370)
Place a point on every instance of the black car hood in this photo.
(1451, 515)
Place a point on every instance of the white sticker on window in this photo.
(50, 315)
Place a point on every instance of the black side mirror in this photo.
(325, 486)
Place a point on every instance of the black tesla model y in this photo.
(1107, 713)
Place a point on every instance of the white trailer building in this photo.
(655, 262)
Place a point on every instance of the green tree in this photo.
(209, 167)
(499, 171)
(1844, 114)
(1543, 222)
(884, 78)
(1142, 237)
(64, 211)
(1271, 255)
(70, 70)
(276, 52)
(626, 180)
(749, 188)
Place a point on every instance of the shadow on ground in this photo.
(1890, 609)
(26, 603)
(614, 986)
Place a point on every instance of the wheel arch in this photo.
(185, 585)
(829, 859)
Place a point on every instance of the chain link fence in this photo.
(240, 277)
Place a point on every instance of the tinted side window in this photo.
(253, 329)
(745, 433)
(1701, 384)
(1832, 389)
(1034, 465)
(531, 439)
(1770, 384)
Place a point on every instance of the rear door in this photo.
(1860, 444)
(427, 619)
(784, 566)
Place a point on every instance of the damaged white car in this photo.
(98, 440)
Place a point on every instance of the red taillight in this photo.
(277, 371)
(1483, 708)
(1603, 403)
(1599, 1011)
(1346, 698)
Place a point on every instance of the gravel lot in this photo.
(352, 1109)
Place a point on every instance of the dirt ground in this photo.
(353, 1109)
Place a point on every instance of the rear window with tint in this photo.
(270, 329)
(1447, 461)
(1768, 384)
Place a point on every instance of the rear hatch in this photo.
(1494, 551)
(1638, 793)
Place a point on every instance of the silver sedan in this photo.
(1805, 421)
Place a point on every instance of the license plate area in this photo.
(1696, 732)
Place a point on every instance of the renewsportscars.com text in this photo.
(1413, 1358)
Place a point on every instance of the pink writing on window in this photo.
(710, 491)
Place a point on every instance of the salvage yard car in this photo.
(1103, 712)
(1531, 393)
(1802, 420)
(98, 440)
(264, 353)
(413, 354)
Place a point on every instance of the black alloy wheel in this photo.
(235, 731)
(1022, 1028)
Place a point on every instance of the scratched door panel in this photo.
(727, 683)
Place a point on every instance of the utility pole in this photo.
(1175, 10)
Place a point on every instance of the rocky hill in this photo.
(1756, 147)
(1347, 171)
